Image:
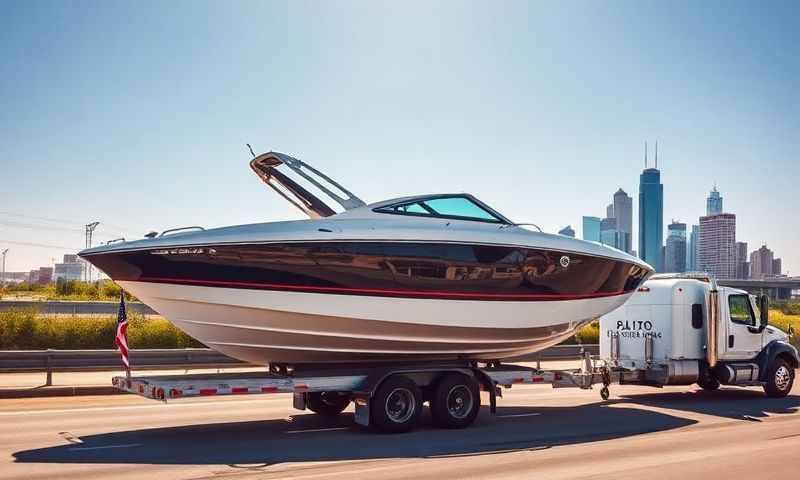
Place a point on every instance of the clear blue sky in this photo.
(136, 113)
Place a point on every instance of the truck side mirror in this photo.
(763, 305)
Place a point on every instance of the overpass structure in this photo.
(778, 288)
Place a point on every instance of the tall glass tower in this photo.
(591, 229)
(714, 202)
(675, 260)
(651, 216)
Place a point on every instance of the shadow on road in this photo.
(733, 402)
(310, 438)
(276, 441)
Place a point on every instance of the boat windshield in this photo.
(456, 207)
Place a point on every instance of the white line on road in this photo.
(319, 430)
(127, 407)
(515, 415)
(127, 445)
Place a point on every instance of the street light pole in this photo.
(3, 278)
(89, 230)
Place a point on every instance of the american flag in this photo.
(121, 340)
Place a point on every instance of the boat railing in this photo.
(522, 225)
(180, 229)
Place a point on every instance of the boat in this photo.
(426, 277)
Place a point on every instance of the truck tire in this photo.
(396, 406)
(707, 381)
(328, 404)
(456, 401)
(780, 377)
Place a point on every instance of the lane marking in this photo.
(127, 407)
(319, 430)
(515, 415)
(127, 445)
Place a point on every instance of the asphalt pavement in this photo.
(538, 433)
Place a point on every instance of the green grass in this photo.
(102, 290)
(27, 330)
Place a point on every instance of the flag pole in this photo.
(128, 365)
(121, 338)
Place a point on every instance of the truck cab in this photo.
(684, 329)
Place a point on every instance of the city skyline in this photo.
(137, 117)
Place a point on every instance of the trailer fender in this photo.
(772, 350)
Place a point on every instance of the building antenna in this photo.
(645, 154)
(656, 154)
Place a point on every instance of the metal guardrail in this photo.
(50, 361)
(74, 308)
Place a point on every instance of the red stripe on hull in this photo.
(429, 294)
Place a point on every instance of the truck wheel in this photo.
(397, 405)
(707, 381)
(456, 401)
(780, 377)
(328, 404)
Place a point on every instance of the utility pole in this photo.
(3, 278)
(89, 230)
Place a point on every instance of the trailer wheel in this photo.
(397, 405)
(456, 401)
(328, 404)
(780, 377)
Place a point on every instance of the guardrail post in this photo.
(48, 366)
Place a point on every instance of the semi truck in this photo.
(675, 330)
(683, 329)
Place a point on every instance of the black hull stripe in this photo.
(381, 292)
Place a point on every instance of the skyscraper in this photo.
(610, 211)
(676, 248)
(716, 253)
(609, 235)
(651, 215)
(591, 229)
(568, 231)
(623, 212)
(691, 255)
(714, 202)
(742, 265)
(764, 264)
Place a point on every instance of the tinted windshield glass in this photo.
(461, 208)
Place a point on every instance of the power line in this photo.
(41, 245)
(128, 229)
(46, 219)
(38, 227)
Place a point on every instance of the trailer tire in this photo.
(456, 401)
(328, 404)
(780, 377)
(396, 406)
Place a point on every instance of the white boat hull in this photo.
(264, 327)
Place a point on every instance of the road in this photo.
(539, 433)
